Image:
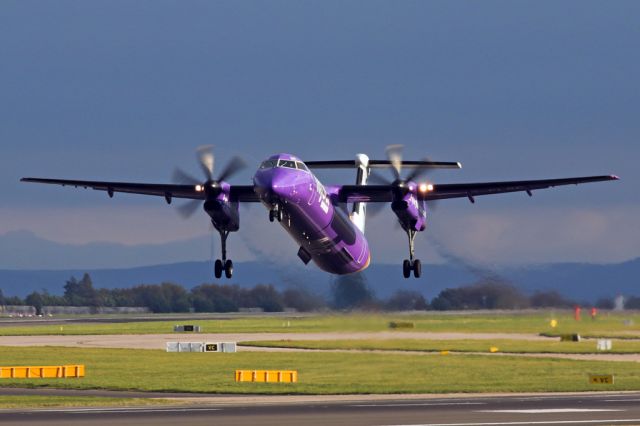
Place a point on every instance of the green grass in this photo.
(604, 325)
(468, 345)
(319, 373)
(38, 401)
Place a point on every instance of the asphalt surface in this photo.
(208, 409)
(581, 409)
(127, 318)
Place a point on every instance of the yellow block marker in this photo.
(601, 379)
(277, 376)
(493, 349)
(553, 323)
(444, 352)
(42, 372)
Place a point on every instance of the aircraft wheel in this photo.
(406, 268)
(272, 216)
(217, 268)
(417, 268)
(228, 269)
(280, 215)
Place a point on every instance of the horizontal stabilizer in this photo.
(351, 164)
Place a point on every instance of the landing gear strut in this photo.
(225, 264)
(276, 213)
(411, 264)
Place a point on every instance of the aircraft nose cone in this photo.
(274, 183)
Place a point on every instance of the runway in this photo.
(561, 409)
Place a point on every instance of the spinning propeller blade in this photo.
(207, 160)
(233, 166)
(187, 209)
(212, 187)
(419, 171)
(394, 154)
(377, 179)
(181, 177)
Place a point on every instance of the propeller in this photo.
(394, 155)
(211, 187)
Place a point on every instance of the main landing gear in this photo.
(225, 264)
(411, 264)
(276, 213)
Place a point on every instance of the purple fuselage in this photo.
(323, 230)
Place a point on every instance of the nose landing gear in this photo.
(225, 264)
(276, 212)
(411, 264)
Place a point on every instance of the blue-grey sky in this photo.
(121, 90)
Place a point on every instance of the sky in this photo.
(126, 91)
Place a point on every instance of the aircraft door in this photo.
(312, 193)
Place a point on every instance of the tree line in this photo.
(170, 297)
(348, 292)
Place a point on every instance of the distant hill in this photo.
(383, 279)
(583, 282)
(25, 250)
(28, 263)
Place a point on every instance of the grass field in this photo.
(422, 345)
(319, 373)
(605, 325)
(36, 401)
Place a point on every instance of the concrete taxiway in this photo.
(559, 409)
(158, 341)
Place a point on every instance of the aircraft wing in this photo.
(242, 193)
(384, 193)
(470, 190)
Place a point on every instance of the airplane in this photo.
(316, 216)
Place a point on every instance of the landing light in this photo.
(199, 188)
(425, 187)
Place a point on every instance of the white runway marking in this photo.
(125, 410)
(418, 404)
(552, 410)
(549, 422)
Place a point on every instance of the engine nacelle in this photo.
(411, 213)
(225, 215)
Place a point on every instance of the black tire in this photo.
(228, 269)
(271, 216)
(406, 268)
(417, 268)
(217, 268)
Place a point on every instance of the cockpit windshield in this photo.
(268, 164)
(290, 164)
(287, 163)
